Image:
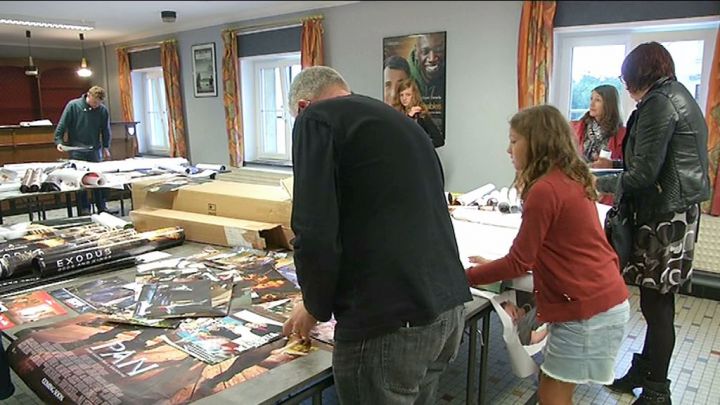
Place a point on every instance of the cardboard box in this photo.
(142, 198)
(213, 229)
(252, 202)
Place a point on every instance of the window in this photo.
(150, 105)
(268, 124)
(586, 57)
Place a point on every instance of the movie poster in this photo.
(28, 307)
(84, 360)
(420, 57)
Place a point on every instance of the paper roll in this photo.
(475, 195)
(93, 179)
(110, 221)
(208, 166)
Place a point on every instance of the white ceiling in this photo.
(121, 21)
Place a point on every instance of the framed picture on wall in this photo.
(420, 58)
(204, 72)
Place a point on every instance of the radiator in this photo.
(707, 250)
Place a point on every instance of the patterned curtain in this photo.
(535, 51)
(126, 95)
(231, 98)
(176, 117)
(712, 116)
(311, 48)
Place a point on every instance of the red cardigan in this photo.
(575, 271)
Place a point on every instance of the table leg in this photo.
(68, 205)
(484, 358)
(471, 384)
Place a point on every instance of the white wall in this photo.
(481, 58)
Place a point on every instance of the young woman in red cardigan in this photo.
(601, 129)
(577, 282)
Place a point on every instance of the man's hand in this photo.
(300, 323)
(106, 153)
(59, 148)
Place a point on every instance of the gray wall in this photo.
(481, 71)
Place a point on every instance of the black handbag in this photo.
(619, 230)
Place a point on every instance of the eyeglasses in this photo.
(622, 80)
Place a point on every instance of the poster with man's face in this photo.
(422, 58)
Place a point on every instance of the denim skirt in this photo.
(582, 352)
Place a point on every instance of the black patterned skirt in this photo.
(663, 251)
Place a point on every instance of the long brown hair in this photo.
(610, 121)
(416, 99)
(550, 145)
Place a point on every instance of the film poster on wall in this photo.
(422, 58)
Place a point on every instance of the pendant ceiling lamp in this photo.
(84, 70)
(30, 69)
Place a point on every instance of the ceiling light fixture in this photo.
(46, 24)
(84, 70)
(30, 69)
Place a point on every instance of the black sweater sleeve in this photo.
(438, 139)
(315, 216)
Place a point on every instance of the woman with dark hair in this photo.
(665, 178)
(601, 129)
(408, 100)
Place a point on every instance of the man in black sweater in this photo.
(374, 244)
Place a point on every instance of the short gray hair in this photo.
(312, 82)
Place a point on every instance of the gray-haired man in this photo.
(374, 243)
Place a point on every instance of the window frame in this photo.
(630, 35)
(252, 67)
(145, 145)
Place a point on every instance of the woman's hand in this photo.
(414, 110)
(478, 260)
(602, 163)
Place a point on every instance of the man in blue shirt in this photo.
(87, 123)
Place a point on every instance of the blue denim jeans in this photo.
(402, 367)
(83, 205)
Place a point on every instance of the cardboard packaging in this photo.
(251, 202)
(212, 229)
(218, 212)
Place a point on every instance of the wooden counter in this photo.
(37, 144)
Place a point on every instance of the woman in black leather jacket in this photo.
(665, 178)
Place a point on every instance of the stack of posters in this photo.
(214, 340)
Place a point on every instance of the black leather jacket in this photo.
(665, 153)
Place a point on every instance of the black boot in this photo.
(639, 370)
(654, 393)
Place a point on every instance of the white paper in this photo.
(37, 123)
(521, 361)
(110, 221)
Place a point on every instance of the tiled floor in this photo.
(695, 369)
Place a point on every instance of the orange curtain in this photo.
(535, 51)
(712, 116)
(126, 95)
(231, 98)
(311, 48)
(176, 117)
